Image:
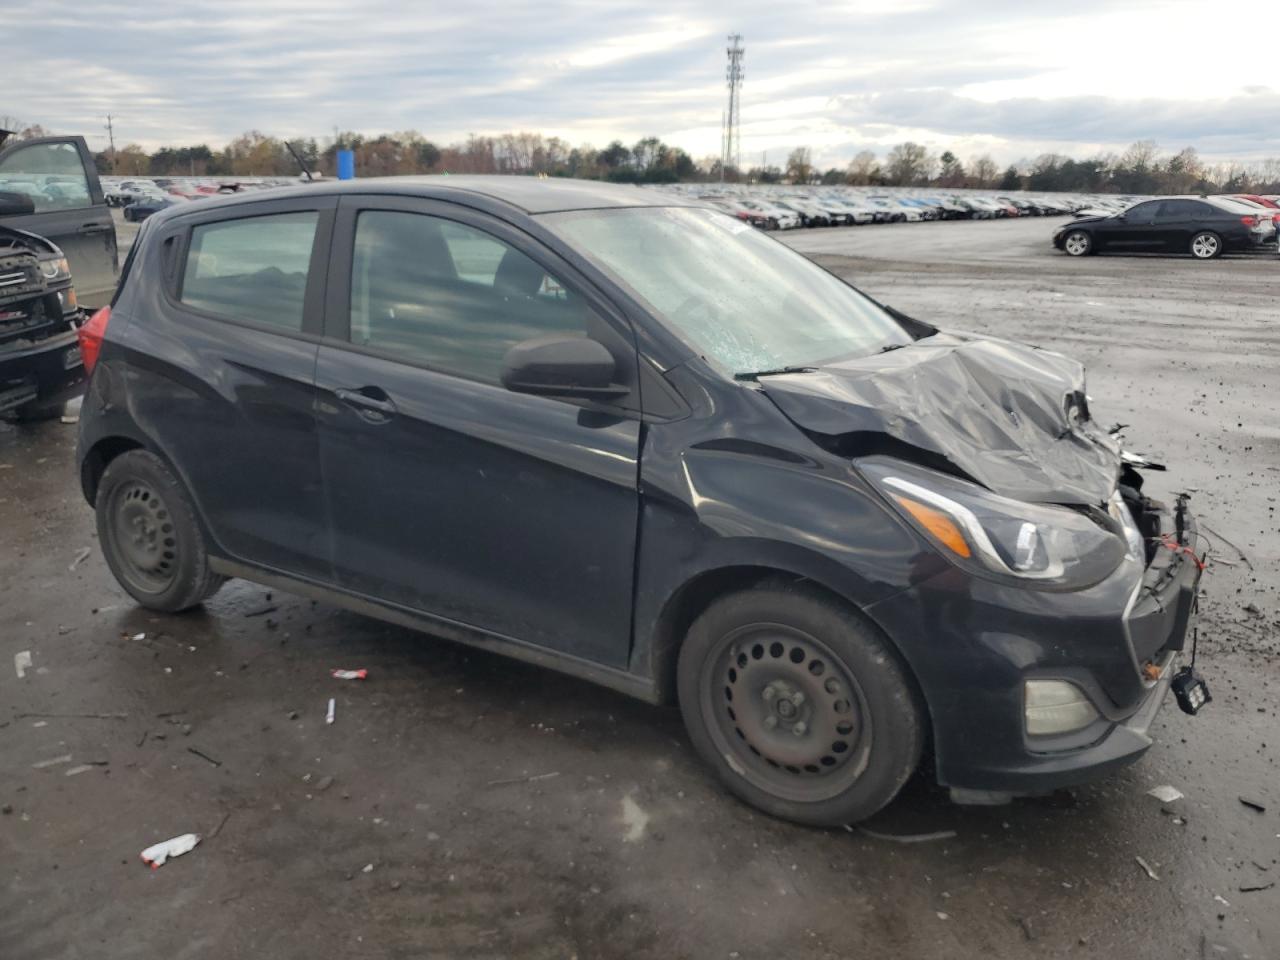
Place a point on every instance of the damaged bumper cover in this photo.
(974, 644)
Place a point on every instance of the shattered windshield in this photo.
(742, 299)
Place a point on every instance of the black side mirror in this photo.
(15, 204)
(559, 366)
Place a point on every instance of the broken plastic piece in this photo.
(156, 855)
(333, 707)
(1147, 867)
(22, 663)
(1165, 793)
(361, 674)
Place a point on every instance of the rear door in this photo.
(449, 494)
(60, 177)
(222, 355)
(1176, 222)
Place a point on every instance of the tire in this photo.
(1077, 243)
(149, 534)
(38, 410)
(1206, 245)
(799, 705)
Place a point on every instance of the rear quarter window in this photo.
(252, 268)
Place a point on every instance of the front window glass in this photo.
(51, 174)
(743, 300)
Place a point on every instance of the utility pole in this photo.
(722, 145)
(734, 75)
(111, 138)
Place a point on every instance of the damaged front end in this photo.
(1051, 642)
(39, 314)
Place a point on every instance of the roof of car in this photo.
(529, 194)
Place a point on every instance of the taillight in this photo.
(91, 335)
(1249, 220)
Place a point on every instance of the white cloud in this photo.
(1000, 76)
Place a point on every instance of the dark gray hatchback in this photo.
(640, 442)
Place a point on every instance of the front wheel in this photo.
(799, 705)
(149, 534)
(1077, 243)
(1206, 245)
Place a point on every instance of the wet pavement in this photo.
(462, 805)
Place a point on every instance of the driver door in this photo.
(58, 175)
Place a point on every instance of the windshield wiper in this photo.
(757, 374)
(892, 346)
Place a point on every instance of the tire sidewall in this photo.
(896, 719)
(1205, 233)
(1088, 243)
(191, 577)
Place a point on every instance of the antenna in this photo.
(732, 133)
(289, 147)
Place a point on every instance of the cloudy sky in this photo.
(1014, 78)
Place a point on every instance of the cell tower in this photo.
(732, 137)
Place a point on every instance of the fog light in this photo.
(1056, 706)
(1190, 690)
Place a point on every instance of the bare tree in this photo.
(863, 169)
(800, 165)
(908, 163)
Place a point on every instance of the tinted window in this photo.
(51, 174)
(1142, 211)
(1178, 209)
(253, 268)
(449, 296)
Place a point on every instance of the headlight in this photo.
(1034, 543)
(55, 270)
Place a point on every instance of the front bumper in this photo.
(47, 371)
(972, 645)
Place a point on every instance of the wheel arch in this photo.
(693, 596)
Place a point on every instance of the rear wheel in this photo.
(1077, 243)
(149, 534)
(1206, 245)
(799, 705)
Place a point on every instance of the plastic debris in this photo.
(361, 674)
(81, 768)
(1256, 887)
(40, 765)
(155, 856)
(138, 637)
(1165, 793)
(22, 663)
(1222, 900)
(1147, 867)
(333, 709)
(1254, 804)
(81, 557)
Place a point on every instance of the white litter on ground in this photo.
(634, 819)
(22, 663)
(1165, 793)
(65, 758)
(332, 714)
(155, 856)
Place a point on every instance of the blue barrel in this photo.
(346, 165)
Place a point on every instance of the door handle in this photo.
(368, 399)
(94, 228)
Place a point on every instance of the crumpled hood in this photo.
(1010, 417)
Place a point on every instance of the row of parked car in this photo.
(786, 210)
(1203, 226)
(141, 197)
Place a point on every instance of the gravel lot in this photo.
(467, 806)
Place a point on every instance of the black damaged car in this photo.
(40, 366)
(642, 443)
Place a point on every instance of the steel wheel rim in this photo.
(1076, 244)
(1204, 246)
(787, 712)
(143, 536)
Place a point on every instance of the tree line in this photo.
(1141, 169)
